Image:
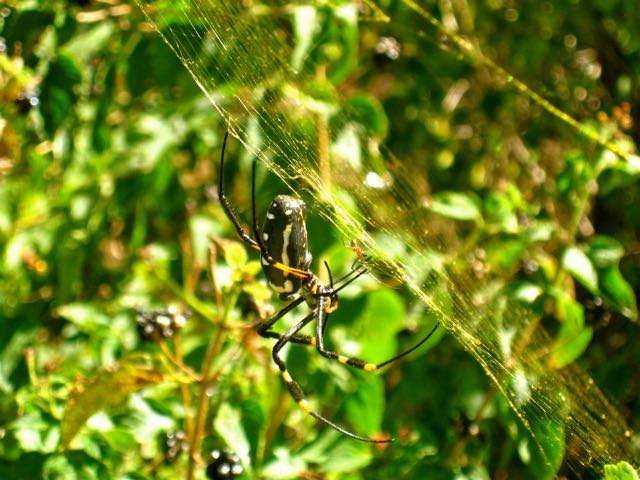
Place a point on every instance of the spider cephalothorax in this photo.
(286, 262)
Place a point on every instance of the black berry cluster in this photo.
(174, 444)
(224, 465)
(156, 324)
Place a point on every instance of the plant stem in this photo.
(213, 349)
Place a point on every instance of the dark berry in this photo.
(174, 444)
(157, 324)
(224, 465)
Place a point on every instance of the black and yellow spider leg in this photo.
(323, 315)
(225, 202)
(295, 389)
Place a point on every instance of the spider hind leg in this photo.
(295, 390)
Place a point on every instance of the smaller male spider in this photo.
(286, 259)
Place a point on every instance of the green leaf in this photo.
(285, 465)
(617, 290)
(58, 95)
(620, 471)
(87, 317)
(500, 211)
(605, 251)
(88, 44)
(201, 229)
(381, 320)
(343, 52)
(73, 465)
(365, 408)
(544, 455)
(576, 262)
(569, 346)
(120, 439)
(58, 467)
(107, 388)
(27, 466)
(347, 456)
(234, 253)
(228, 424)
(305, 26)
(367, 111)
(569, 311)
(34, 432)
(455, 205)
(504, 253)
(541, 231)
(573, 337)
(527, 292)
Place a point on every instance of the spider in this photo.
(286, 262)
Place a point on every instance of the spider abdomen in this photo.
(284, 235)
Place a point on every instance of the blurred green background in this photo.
(108, 150)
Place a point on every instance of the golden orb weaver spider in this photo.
(285, 260)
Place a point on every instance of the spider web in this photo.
(224, 44)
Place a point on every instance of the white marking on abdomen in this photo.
(288, 212)
(265, 235)
(288, 287)
(286, 236)
(270, 216)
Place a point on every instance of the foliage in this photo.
(107, 153)
(621, 471)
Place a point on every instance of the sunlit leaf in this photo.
(107, 388)
(234, 253)
(305, 26)
(527, 292)
(455, 205)
(201, 229)
(618, 291)
(569, 346)
(576, 262)
(620, 471)
(88, 317)
(569, 311)
(73, 465)
(605, 251)
(285, 465)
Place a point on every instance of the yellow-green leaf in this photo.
(107, 388)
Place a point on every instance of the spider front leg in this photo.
(226, 205)
(294, 388)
